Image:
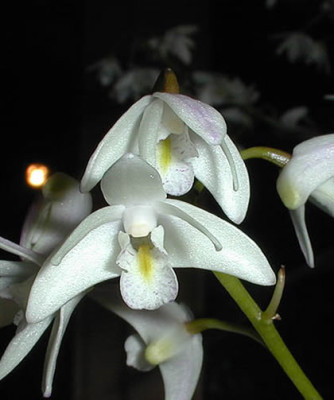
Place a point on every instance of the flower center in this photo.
(145, 261)
(139, 221)
(164, 154)
(159, 351)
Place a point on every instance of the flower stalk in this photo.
(269, 334)
(275, 156)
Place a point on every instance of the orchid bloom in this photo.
(141, 236)
(182, 138)
(60, 208)
(163, 341)
(308, 175)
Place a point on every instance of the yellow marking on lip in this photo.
(165, 154)
(145, 261)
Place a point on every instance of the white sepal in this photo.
(239, 256)
(213, 169)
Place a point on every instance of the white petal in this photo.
(203, 119)
(58, 329)
(55, 215)
(21, 344)
(135, 353)
(88, 262)
(298, 220)
(213, 169)
(115, 143)
(147, 281)
(323, 197)
(181, 373)
(132, 181)
(188, 247)
(312, 164)
(149, 131)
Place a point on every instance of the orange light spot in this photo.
(37, 175)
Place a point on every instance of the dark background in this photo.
(54, 112)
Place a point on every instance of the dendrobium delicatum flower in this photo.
(182, 138)
(59, 210)
(308, 175)
(141, 236)
(162, 340)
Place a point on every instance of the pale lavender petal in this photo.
(203, 119)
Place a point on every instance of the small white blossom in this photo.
(182, 138)
(308, 175)
(141, 237)
(162, 341)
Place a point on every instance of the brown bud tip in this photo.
(167, 82)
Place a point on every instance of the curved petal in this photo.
(147, 282)
(203, 119)
(132, 181)
(115, 143)
(58, 329)
(312, 164)
(181, 373)
(188, 247)
(213, 169)
(298, 220)
(21, 344)
(88, 262)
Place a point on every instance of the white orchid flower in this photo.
(163, 341)
(141, 237)
(181, 138)
(308, 175)
(49, 220)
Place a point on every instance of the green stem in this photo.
(266, 329)
(275, 156)
(201, 324)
